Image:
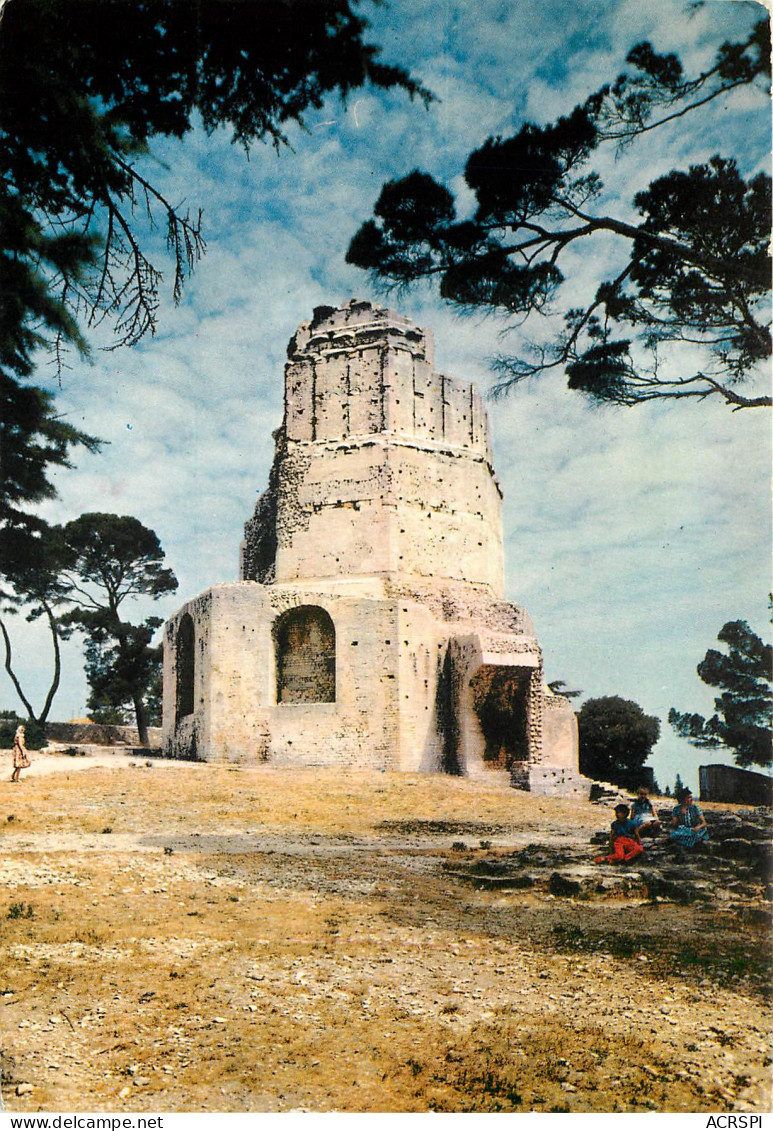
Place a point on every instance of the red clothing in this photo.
(625, 848)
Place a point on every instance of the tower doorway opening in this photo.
(500, 697)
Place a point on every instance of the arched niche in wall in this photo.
(185, 665)
(305, 643)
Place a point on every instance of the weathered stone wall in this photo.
(421, 645)
(305, 656)
(392, 657)
(100, 734)
(242, 719)
(184, 737)
(328, 397)
(373, 508)
(559, 730)
(375, 376)
(382, 466)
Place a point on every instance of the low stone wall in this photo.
(99, 734)
(731, 784)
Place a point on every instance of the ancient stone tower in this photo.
(369, 627)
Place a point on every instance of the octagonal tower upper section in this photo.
(362, 369)
(383, 466)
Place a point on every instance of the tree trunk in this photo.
(12, 674)
(57, 665)
(142, 721)
(56, 678)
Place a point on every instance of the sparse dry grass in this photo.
(267, 940)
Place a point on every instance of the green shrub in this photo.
(34, 733)
(21, 911)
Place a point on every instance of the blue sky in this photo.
(631, 535)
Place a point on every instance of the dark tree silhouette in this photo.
(742, 722)
(32, 563)
(116, 669)
(694, 267)
(113, 559)
(33, 441)
(678, 787)
(86, 86)
(560, 687)
(616, 739)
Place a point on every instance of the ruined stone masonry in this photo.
(369, 628)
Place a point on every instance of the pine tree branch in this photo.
(634, 131)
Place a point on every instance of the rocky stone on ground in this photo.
(255, 939)
(733, 866)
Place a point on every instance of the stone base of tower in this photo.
(550, 781)
(368, 674)
(554, 772)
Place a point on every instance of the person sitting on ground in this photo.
(688, 825)
(624, 841)
(643, 814)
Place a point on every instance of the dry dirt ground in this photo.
(180, 937)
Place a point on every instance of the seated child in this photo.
(624, 841)
(643, 814)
